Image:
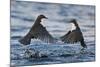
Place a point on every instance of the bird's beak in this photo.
(46, 18)
(70, 21)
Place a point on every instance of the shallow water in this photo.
(23, 15)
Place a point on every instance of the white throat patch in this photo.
(43, 22)
(73, 27)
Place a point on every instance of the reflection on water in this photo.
(23, 15)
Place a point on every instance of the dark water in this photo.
(23, 15)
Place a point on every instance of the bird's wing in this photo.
(72, 37)
(41, 33)
(64, 36)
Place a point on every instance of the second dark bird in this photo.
(75, 35)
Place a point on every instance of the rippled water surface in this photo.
(23, 15)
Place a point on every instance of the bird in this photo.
(73, 36)
(37, 31)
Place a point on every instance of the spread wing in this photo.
(72, 37)
(40, 32)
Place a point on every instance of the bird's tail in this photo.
(83, 44)
(25, 40)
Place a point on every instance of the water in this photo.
(23, 15)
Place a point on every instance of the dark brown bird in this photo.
(74, 35)
(37, 31)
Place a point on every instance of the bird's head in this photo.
(74, 24)
(42, 16)
(73, 21)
